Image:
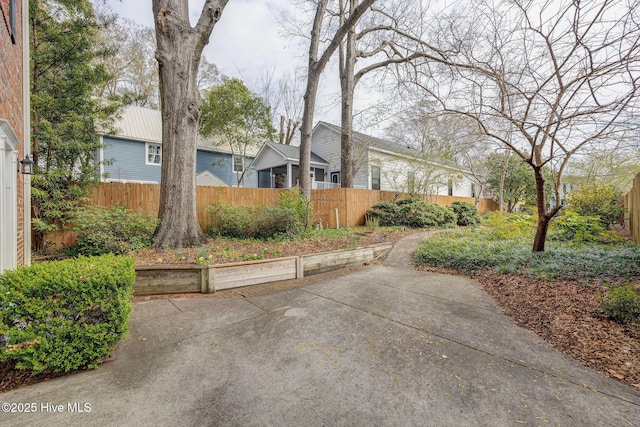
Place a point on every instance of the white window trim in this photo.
(379, 177)
(146, 154)
(233, 163)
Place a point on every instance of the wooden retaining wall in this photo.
(174, 279)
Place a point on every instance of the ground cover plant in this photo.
(582, 294)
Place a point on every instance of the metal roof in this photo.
(145, 124)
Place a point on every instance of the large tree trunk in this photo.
(179, 48)
(347, 86)
(306, 129)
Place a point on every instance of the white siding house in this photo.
(384, 165)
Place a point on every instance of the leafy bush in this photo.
(301, 208)
(387, 214)
(114, 229)
(621, 304)
(412, 213)
(575, 228)
(276, 222)
(500, 226)
(597, 200)
(63, 315)
(229, 221)
(263, 222)
(466, 213)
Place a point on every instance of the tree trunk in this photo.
(179, 49)
(306, 129)
(281, 129)
(502, 178)
(347, 86)
(316, 65)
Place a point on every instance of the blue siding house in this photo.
(134, 154)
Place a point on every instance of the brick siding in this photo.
(11, 99)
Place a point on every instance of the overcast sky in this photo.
(247, 42)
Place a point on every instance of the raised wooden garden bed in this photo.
(178, 278)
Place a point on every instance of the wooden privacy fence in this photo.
(632, 215)
(342, 207)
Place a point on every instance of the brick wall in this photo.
(11, 97)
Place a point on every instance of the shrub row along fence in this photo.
(632, 215)
(342, 207)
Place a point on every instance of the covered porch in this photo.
(277, 166)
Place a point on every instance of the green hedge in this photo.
(63, 315)
(413, 213)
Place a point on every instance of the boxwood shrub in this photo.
(64, 315)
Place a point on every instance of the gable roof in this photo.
(145, 124)
(292, 152)
(283, 154)
(374, 142)
(383, 145)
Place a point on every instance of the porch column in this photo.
(289, 173)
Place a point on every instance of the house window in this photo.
(411, 183)
(335, 177)
(450, 187)
(473, 190)
(238, 164)
(154, 154)
(375, 177)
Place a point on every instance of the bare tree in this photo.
(317, 63)
(179, 49)
(546, 79)
(132, 64)
(284, 96)
(377, 44)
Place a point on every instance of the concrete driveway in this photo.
(378, 346)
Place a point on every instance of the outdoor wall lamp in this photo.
(27, 165)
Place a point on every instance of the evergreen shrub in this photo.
(64, 315)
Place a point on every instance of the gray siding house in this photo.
(134, 154)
